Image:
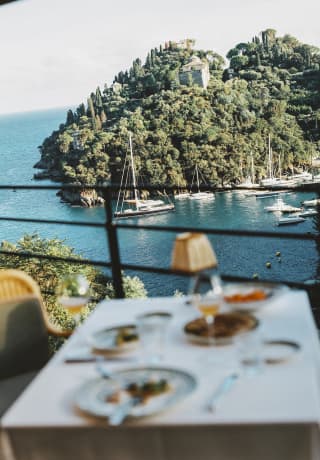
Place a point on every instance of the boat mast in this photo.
(134, 182)
(198, 178)
(280, 165)
(270, 157)
(252, 169)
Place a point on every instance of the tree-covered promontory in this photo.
(270, 88)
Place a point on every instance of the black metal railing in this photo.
(111, 227)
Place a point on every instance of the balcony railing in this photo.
(112, 226)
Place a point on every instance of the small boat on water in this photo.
(268, 194)
(181, 196)
(203, 196)
(308, 213)
(281, 206)
(290, 220)
(314, 202)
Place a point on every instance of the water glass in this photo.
(152, 328)
(249, 349)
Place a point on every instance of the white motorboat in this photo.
(268, 194)
(291, 220)
(308, 213)
(314, 202)
(202, 196)
(181, 196)
(281, 206)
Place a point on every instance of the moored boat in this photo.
(181, 196)
(139, 207)
(281, 206)
(290, 220)
(203, 196)
(308, 213)
(314, 202)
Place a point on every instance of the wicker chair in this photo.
(15, 284)
(24, 328)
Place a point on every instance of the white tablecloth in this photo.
(272, 415)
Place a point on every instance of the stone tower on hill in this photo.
(195, 72)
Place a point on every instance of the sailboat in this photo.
(181, 195)
(249, 180)
(137, 207)
(270, 180)
(204, 196)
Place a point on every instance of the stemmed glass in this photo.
(209, 305)
(73, 292)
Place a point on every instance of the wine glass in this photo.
(208, 305)
(73, 292)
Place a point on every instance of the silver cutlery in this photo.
(222, 389)
(123, 409)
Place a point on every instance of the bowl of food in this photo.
(249, 297)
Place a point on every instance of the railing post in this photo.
(113, 245)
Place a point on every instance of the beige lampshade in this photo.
(192, 252)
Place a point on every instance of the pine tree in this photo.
(91, 113)
(70, 117)
(98, 124)
(81, 110)
(98, 98)
(103, 117)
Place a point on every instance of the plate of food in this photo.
(118, 339)
(251, 296)
(158, 389)
(222, 332)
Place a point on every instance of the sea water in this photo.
(20, 136)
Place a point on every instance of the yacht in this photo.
(314, 202)
(308, 213)
(281, 206)
(290, 220)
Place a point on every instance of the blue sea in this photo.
(20, 136)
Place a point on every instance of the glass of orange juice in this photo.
(73, 293)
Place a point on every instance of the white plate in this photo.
(92, 396)
(279, 351)
(105, 340)
(272, 292)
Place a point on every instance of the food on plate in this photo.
(252, 296)
(144, 390)
(148, 389)
(126, 335)
(225, 325)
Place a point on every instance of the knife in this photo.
(122, 410)
(222, 389)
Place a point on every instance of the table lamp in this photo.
(193, 255)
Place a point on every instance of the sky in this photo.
(54, 53)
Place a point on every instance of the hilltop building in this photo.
(116, 87)
(76, 141)
(195, 72)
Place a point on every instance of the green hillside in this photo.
(271, 87)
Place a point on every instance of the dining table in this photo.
(270, 413)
